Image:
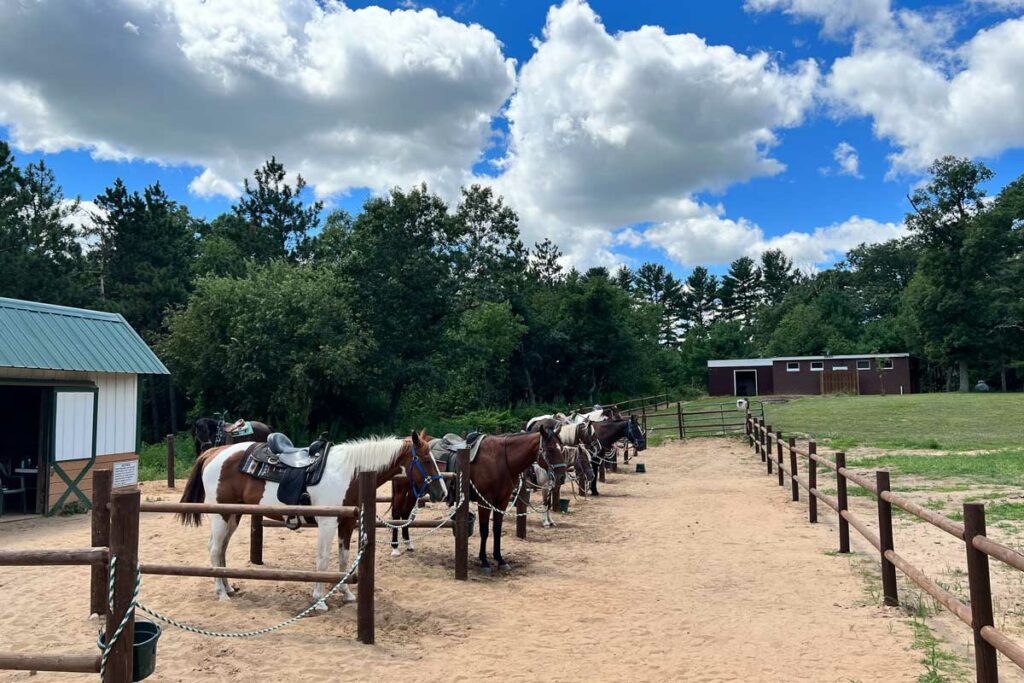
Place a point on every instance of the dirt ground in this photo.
(697, 570)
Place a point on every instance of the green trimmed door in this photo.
(72, 440)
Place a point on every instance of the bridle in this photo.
(552, 468)
(428, 479)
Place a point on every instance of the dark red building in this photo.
(872, 373)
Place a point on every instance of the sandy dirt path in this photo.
(694, 571)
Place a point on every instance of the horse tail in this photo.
(195, 492)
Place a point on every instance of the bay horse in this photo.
(610, 431)
(494, 474)
(208, 432)
(216, 478)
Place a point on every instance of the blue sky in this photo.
(549, 102)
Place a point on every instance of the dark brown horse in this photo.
(495, 476)
(216, 478)
(209, 432)
(610, 431)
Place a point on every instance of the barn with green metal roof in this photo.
(69, 402)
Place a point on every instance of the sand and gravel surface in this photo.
(698, 570)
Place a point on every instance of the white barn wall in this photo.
(116, 406)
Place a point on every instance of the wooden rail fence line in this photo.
(977, 615)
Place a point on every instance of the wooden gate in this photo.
(840, 382)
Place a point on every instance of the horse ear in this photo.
(415, 438)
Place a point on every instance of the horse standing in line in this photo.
(216, 478)
(610, 431)
(578, 435)
(494, 474)
(208, 432)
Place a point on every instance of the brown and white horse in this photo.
(216, 478)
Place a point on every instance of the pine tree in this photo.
(700, 299)
(544, 262)
(778, 276)
(741, 290)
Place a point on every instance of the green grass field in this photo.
(950, 422)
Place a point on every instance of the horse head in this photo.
(423, 471)
(550, 455)
(205, 432)
(635, 434)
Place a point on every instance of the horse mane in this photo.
(370, 454)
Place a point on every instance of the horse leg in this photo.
(484, 516)
(220, 534)
(395, 552)
(327, 527)
(408, 541)
(502, 564)
(549, 501)
(344, 544)
(595, 464)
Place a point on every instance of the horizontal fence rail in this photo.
(977, 614)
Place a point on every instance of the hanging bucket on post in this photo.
(563, 505)
(143, 649)
(640, 468)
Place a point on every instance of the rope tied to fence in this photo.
(269, 629)
(440, 523)
(112, 639)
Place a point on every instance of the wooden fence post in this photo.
(891, 596)
(981, 594)
(124, 545)
(764, 441)
(795, 485)
(462, 520)
(256, 539)
(750, 430)
(100, 520)
(841, 500)
(170, 461)
(812, 481)
(364, 603)
(679, 419)
(768, 438)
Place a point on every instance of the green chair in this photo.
(11, 485)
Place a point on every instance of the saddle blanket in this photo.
(240, 428)
(445, 449)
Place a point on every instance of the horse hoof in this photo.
(396, 552)
(505, 567)
(410, 549)
(224, 597)
(321, 606)
(485, 570)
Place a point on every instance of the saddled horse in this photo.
(216, 478)
(495, 475)
(209, 432)
(610, 431)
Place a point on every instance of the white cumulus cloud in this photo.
(847, 160)
(611, 130)
(349, 98)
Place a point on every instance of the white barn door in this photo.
(74, 440)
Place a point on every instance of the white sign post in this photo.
(126, 473)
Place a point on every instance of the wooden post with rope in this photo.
(462, 519)
(170, 461)
(124, 549)
(367, 564)
(101, 484)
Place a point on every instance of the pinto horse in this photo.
(216, 478)
(494, 474)
(578, 435)
(610, 431)
(208, 432)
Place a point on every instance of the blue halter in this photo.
(428, 479)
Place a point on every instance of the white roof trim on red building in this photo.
(767, 362)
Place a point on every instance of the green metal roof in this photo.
(51, 337)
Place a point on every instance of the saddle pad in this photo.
(243, 429)
(444, 449)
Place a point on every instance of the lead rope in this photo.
(276, 627)
(110, 641)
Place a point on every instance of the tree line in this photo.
(415, 309)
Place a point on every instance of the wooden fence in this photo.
(978, 547)
(710, 420)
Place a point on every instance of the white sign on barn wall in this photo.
(126, 473)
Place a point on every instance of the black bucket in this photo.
(143, 652)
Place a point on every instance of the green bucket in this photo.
(563, 505)
(640, 468)
(144, 650)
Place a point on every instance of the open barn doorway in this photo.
(23, 459)
(745, 382)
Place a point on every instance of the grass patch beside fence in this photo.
(1000, 467)
(927, 421)
(153, 458)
